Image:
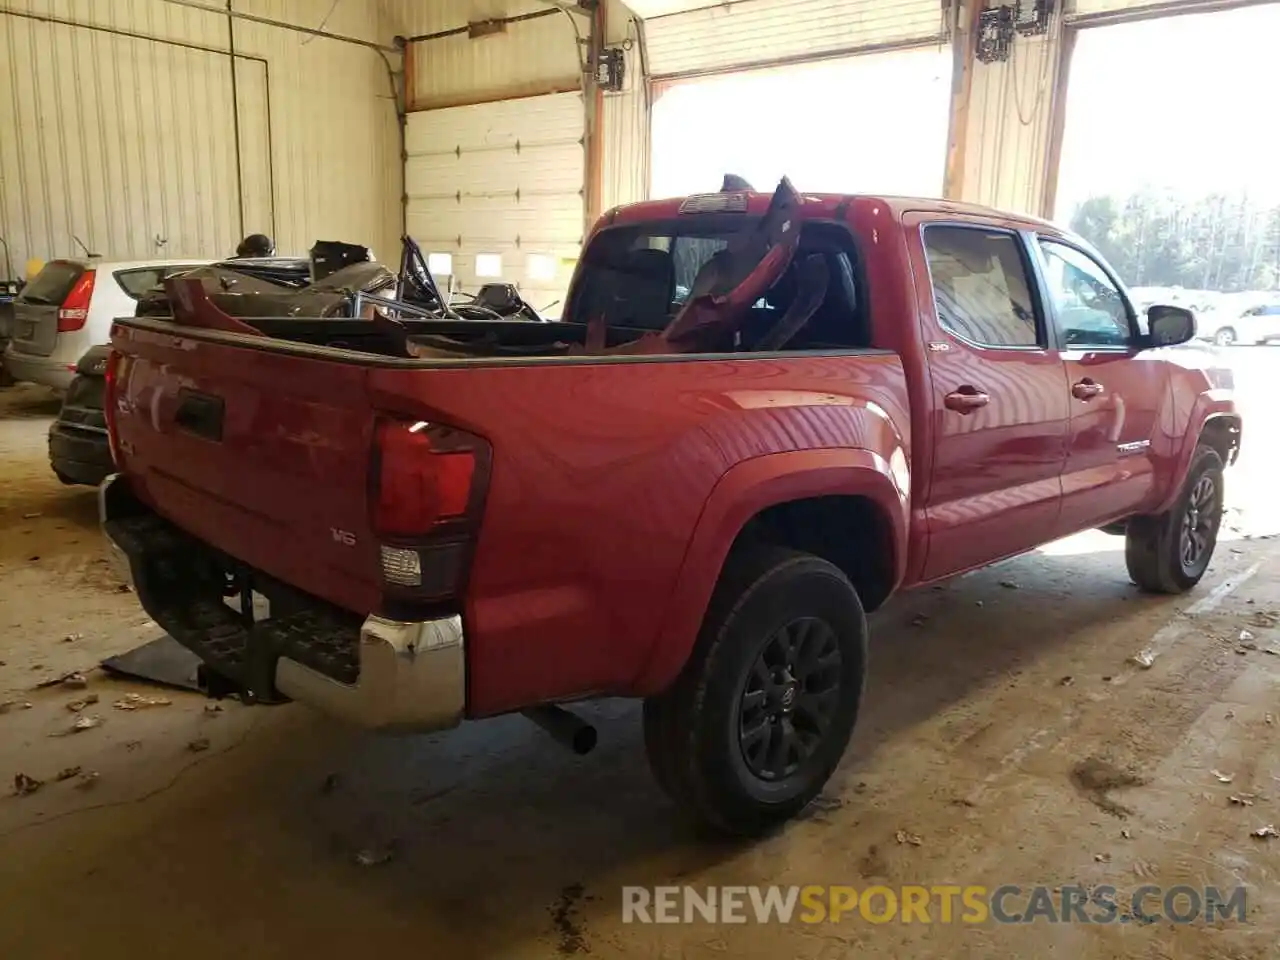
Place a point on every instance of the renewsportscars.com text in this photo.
(1009, 903)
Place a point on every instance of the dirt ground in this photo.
(1006, 739)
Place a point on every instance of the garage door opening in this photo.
(1169, 161)
(866, 124)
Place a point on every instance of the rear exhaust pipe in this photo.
(565, 728)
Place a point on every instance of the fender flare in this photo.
(742, 492)
(1210, 406)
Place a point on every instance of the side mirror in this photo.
(1169, 325)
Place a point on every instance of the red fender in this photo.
(744, 491)
(1211, 405)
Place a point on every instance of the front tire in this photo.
(1171, 552)
(757, 721)
(1225, 337)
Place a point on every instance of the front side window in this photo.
(1088, 307)
(981, 286)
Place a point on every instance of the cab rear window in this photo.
(52, 283)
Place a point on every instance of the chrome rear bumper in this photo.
(412, 676)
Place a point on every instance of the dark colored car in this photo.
(78, 447)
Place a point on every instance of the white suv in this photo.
(69, 307)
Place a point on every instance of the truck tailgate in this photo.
(263, 455)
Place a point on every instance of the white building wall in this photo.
(128, 143)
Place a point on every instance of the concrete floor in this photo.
(982, 725)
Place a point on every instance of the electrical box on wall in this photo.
(611, 67)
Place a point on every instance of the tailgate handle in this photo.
(199, 414)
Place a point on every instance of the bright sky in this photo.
(827, 126)
(1190, 103)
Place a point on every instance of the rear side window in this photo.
(53, 283)
(981, 286)
(137, 282)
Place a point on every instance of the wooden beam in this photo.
(963, 47)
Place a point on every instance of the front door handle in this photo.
(1086, 389)
(966, 399)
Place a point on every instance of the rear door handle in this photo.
(966, 399)
(1086, 389)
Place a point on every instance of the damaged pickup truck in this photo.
(687, 497)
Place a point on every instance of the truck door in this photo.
(999, 398)
(1114, 391)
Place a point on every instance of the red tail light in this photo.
(75, 308)
(428, 478)
(111, 378)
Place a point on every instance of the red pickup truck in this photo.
(755, 421)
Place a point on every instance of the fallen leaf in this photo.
(32, 516)
(1008, 585)
(134, 701)
(376, 855)
(977, 603)
(24, 785)
(87, 780)
(15, 705)
(1066, 681)
(1269, 719)
(919, 620)
(213, 708)
(198, 745)
(1144, 659)
(1223, 777)
(1102, 857)
(1269, 832)
(67, 774)
(1126, 834)
(903, 837)
(1241, 799)
(1245, 636)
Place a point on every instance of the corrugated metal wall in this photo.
(753, 32)
(624, 122)
(1011, 126)
(125, 142)
(528, 58)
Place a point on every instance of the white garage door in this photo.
(495, 192)
(726, 36)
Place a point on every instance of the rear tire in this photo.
(1170, 553)
(757, 721)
